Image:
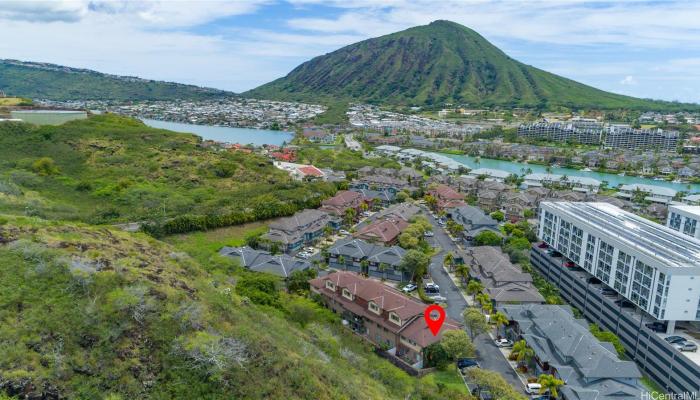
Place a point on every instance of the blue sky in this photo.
(641, 48)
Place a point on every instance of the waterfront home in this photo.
(303, 228)
(368, 258)
(490, 174)
(577, 183)
(380, 314)
(503, 282)
(319, 135)
(343, 200)
(564, 347)
(473, 220)
(652, 193)
(281, 265)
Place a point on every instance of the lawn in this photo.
(11, 101)
(651, 386)
(449, 378)
(201, 245)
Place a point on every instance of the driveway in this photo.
(489, 356)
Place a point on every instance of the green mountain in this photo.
(109, 169)
(55, 82)
(92, 312)
(430, 65)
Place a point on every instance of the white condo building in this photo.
(651, 265)
(684, 219)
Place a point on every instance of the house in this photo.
(411, 175)
(503, 282)
(378, 198)
(262, 261)
(319, 135)
(380, 314)
(488, 200)
(564, 347)
(657, 210)
(382, 182)
(385, 231)
(303, 228)
(301, 171)
(446, 197)
(516, 204)
(342, 201)
(368, 258)
(473, 220)
(490, 174)
(655, 194)
(404, 211)
(467, 185)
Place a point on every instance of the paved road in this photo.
(489, 356)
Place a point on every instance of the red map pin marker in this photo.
(434, 324)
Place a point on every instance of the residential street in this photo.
(488, 354)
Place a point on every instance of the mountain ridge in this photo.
(40, 80)
(429, 65)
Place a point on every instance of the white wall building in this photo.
(653, 266)
(492, 174)
(684, 219)
(656, 194)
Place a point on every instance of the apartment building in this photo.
(684, 219)
(381, 314)
(624, 137)
(303, 228)
(371, 259)
(633, 277)
(585, 132)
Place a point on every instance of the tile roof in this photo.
(262, 261)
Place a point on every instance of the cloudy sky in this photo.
(641, 48)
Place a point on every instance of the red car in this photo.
(570, 264)
(543, 245)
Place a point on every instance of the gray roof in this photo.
(472, 217)
(383, 195)
(262, 261)
(402, 210)
(359, 249)
(503, 281)
(656, 241)
(291, 229)
(589, 368)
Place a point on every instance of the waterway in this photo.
(612, 179)
(226, 134)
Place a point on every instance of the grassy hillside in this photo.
(111, 169)
(55, 82)
(430, 65)
(95, 313)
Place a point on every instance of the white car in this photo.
(303, 254)
(429, 234)
(533, 388)
(503, 343)
(431, 285)
(309, 249)
(439, 299)
(344, 232)
(409, 288)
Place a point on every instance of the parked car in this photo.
(467, 363)
(309, 249)
(624, 303)
(439, 299)
(656, 326)
(441, 222)
(303, 254)
(503, 343)
(687, 346)
(570, 264)
(344, 232)
(554, 253)
(431, 291)
(675, 339)
(533, 388)
(543, 245)
(608, 292)
(429, 234)
(431, 285)
(409, 288)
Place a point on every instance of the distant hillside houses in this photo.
(615, 136)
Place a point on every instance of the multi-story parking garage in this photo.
(632, 277)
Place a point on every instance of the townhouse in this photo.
(446, 197)
(280, 265)
(342, 201)
(382, 315)
(303, 228)
(473, 220)
(367, 258)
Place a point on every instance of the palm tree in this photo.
(341, 261)
(462, 272)
(484, 300)
(383, 267)
(549, 384)
(448, 260)
(474, 287)
(499, 319)
(523, 352)
(364, 267)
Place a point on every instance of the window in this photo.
(564, 237)
(575, 249)
(641, 284)
(393, 317)
(689, 226)
(605, 257)
(674, 221)
(330, 285)
(374, 307)
(622, 272)
(590, 253)
(347, 294)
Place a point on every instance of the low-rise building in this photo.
(564, 347)
(490, 173)
(281, 265)
(382, 315)
(303, 228)
(343, 200)
(368, 258)
(473, 220)
(655, 194)
(446, 197)
(503, 282)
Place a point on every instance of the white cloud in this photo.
(628, 80)
(43, 11)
